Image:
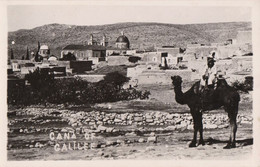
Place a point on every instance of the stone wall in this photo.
(95, 126)
(131, 52)
(134, 72)
(185, 74)
(158, 77)
(106, 121)
(161, 77)
(198, 66)
(243, 63)
(152, 57)
(27, 70)
(200, 51)
(63, 64)
(172, 51)
(117, 60)
(91, 78)
(189, 57)
(174, 121)
(225, 66)
(20, 61)
(94, 60)
(227, 51)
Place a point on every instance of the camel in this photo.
(223, 95)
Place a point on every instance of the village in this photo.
(93, 59)
(76, 124)
(129, 83)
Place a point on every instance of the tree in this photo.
(116, 78)
(12, 54)
(68, 57)
(39, 46)
(37, 58)
(27, 54)
(40, 78)
(42, 82)
(134, 59)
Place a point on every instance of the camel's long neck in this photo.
(179, 95)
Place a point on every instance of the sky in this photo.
(31, 16)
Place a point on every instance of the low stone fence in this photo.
(91, 126)
(162, 77)
(170, 121)
(161, 120)
(185, 74)
(91, 78)
(117, 60)
(153, 78)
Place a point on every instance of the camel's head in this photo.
(176, 80)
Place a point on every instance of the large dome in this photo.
(122, 42)
(122, 38)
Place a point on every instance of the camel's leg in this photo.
(233, 126)
(195, 127)
(201, 141)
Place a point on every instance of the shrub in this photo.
(145, 95)
(67, 90)
(15, 93)
(68, 57)
(42, 84)
(249, 83)
(44, 88)
(245, 86)
(134, 59)
(183, 66)
(116, 79)
(40, 79)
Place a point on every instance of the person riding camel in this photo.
(210, 73)
(208, 80)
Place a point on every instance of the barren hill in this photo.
(141, 35)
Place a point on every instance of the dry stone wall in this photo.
(106, 121)
(92, 126)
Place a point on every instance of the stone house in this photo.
(96, 53)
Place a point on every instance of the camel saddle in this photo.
(209, 94)
(206, 93)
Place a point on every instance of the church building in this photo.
(121, 46)
(97, 51)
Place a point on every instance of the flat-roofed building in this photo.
(85, 52)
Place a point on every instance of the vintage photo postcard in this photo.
(130, 83)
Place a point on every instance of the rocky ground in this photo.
(157, 128)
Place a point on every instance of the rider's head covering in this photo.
(211, 56)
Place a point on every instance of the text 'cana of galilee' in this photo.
(69, 141)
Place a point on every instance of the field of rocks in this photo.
(157, 128)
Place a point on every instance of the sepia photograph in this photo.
(129, 81)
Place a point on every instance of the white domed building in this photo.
(44, 51)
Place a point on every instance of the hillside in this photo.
(141, 35)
